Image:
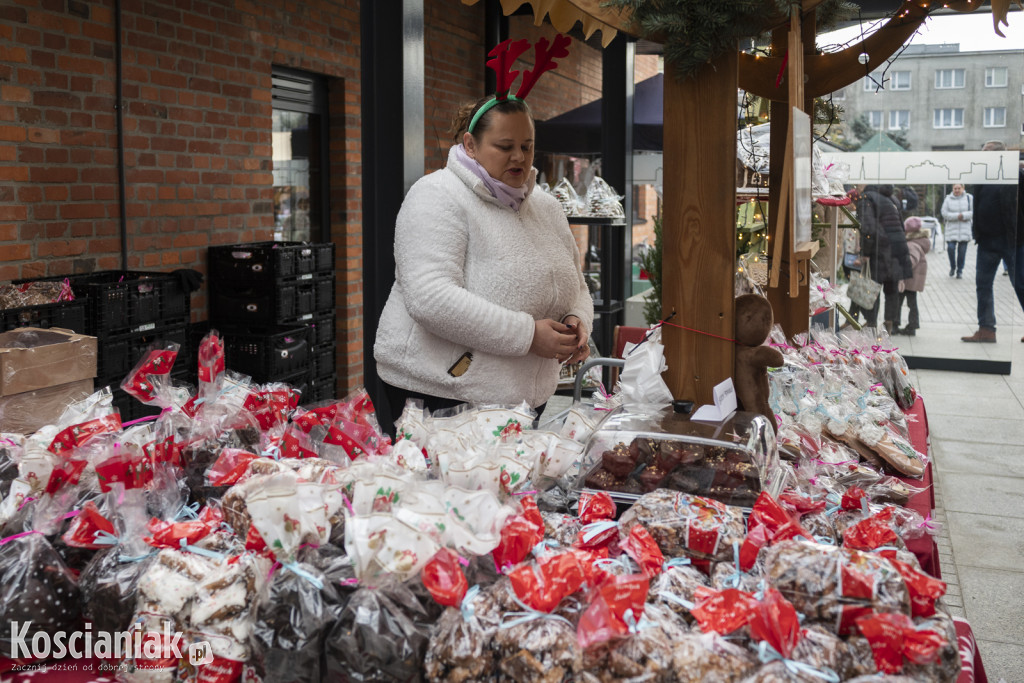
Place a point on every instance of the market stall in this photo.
(236, 535)
(300, 543)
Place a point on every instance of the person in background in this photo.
(995, 232)
(958, 213)
(908, 198)
(919, 243)
(488, 299)
(883, 249)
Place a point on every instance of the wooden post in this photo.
(699, 227)
(791, 312)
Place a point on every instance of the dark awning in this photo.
(578, 131)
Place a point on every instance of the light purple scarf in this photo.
(511, 197)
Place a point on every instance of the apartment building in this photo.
(942, 98)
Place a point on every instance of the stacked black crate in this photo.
(126, 311)
(273, 303)
(68, 315)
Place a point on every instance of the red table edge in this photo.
(972, 669)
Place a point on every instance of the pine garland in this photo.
(831, 13)
(694, 32)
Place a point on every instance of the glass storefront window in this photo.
(293, 137)
(299, 135)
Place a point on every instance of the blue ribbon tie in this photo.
(766, 653)
(676, 562)
(672, 597)
(467, 608)
(294, 568)
(201, 551)
(527, 615)
(105, 538)
(187, 512)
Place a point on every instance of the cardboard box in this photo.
(32, 359)
(26, 412)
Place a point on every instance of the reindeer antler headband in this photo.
(504, 55)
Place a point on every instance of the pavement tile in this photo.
(1016, 386)
(991, 600)
(988, 541)
(980, 405)
(978, 430)
(982, 494)
(1003, 661)
(1004, 460)
(936, 382)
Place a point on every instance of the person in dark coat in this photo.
(995, 231)
(883, 248)
(908, 199)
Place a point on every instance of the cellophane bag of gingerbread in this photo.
(460, 641)
(538, 641)
(38, 594)
(834, 586)
(380, 635)
(687, 525)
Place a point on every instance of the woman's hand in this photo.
(582, 351)
(554, 340)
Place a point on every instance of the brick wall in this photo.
(197, 122)
(455, 62)
(576, 81)
(454, 56)
(197, 128)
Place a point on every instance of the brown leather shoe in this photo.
(982, 336)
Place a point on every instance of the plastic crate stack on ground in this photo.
(69, 315)
(126, 311)
(273, 302)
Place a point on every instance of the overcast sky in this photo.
(972, 31)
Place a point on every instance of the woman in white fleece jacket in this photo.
(488, 298)
(958, 212)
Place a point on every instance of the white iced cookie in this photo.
(171, 581)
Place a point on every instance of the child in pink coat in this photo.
(919, 243)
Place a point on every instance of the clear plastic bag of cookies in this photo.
(687, 525)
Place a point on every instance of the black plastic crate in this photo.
(70, 315)
(132, 408)
(260, 264)
(267, 356)
(324, 253)
(321, 330)
(320, 389)
(322, 361)
(287, 302)
(122, 301)
(324, 288)
(298, 381)
(117, 355)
